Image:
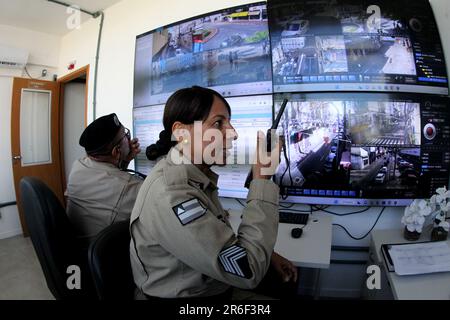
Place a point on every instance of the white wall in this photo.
(44, 54)
(123, 22)
(43, 48)
(129, 18)
(74, 98)
(9, 221)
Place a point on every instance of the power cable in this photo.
(368, 232)
(28, 74)
(341, 214)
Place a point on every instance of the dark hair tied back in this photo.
(161, 147)
(186, 106)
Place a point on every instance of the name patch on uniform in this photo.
(234, 260)
(189, 210)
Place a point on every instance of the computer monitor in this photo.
(248, 115)
(364, 148)
(226, 50)
(147, 124)
(348, 45)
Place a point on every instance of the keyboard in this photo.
(293, 217)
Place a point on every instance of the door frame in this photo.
(83, 71)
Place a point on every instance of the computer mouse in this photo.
(296, 233)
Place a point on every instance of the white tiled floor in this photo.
(21, 276)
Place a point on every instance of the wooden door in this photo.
(35, 136)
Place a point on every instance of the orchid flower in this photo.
(415, 213)
(445, 225)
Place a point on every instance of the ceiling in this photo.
(45, 16)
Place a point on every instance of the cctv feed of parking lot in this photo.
(343, 148)
(346, 45)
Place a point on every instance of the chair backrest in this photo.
(54, 241)
(109, 261)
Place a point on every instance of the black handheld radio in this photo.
(269, 145)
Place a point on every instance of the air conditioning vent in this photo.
(15, 58)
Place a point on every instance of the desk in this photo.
(433, 286)
(311, 250)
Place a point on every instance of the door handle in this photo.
(17, 157)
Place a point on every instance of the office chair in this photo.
(54, 241)
(109, 261)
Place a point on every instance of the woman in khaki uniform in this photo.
(182, 244)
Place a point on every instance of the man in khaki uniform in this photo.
(99, 192)
(181, 242)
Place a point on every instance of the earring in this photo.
(185, 141)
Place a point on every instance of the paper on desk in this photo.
(420, 258)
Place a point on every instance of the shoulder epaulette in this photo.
(175, 175)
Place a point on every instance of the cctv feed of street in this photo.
(363, 145)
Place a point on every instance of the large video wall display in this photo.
(228, 51)
(366, 121)
(347, 45)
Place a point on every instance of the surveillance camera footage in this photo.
(365, 46)
(228, 51)
(361, 146)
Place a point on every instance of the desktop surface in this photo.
(433, 286)
(311, 250)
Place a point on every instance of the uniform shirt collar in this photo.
(208, 178)
(91, 163)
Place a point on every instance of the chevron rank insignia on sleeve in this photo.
(189, 210)
(234, 260)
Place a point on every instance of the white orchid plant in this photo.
(416, 213)
(441, 200)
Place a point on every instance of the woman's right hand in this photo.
(266, 163)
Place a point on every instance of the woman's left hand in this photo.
(285, 268)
